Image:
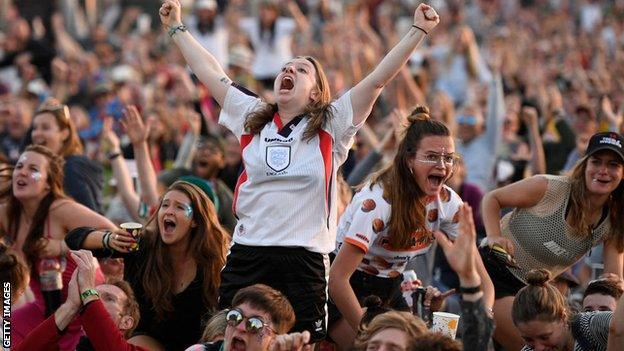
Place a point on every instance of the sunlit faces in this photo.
(47, 132)
(599, 302)
(237, 338)
(30, 176)
(603, 172)
(389, 339)
(433, 163)
(114, 300)
(175, 217)
(296, 83)
(544, 336)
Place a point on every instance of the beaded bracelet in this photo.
(179, 28)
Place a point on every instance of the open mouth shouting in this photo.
(169, 225)
(238, 344)
(287, 84)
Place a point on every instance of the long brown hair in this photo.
(33, 244)
(318, 111)
(400, 188)
(71, 145)
(539, 300)
(579, 207)
(207, 246)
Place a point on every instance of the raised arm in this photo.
(138, 132)
(202, 62)
(612, 258)
(524, 193)
(125, 188)
(365, 93)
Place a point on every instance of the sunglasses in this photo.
(253, 324)
(470, 120)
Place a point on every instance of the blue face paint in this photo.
(188, 210)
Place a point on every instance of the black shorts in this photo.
(299, 274)
(505, 283)
(365, 285)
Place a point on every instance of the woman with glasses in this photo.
(175, 270)
(556, 220)
(53, 128)
(391, 220)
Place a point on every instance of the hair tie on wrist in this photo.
(424, 31)
(469, 290)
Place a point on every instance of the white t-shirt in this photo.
(270, 56)
(286, 196)
(216, 41)
(365, 225)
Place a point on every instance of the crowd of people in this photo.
(297, 174)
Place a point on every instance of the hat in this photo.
(240, 56)
(606, 141)
(102, 88)
(206, 5)
(205, 187)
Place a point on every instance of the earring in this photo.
(411, 170)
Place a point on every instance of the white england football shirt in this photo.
(365, 225)
(286, 195)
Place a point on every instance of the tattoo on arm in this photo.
(225, 80)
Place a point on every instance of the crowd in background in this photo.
(521, 85)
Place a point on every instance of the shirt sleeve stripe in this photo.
(356, 243)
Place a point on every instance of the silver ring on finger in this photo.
(115, 236)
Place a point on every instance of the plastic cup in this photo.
(445, 323)
(135, 230)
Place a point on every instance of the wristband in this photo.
(113, 156)
(424, 31)
(105, 239)
(89, 292)
(178, 28)
(469, 290)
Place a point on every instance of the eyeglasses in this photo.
(470, 120)
(253, 324)
(448, 160)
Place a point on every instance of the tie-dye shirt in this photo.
(365, 225)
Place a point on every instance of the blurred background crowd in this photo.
(522, 84)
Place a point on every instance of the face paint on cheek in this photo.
(188, 210)
(36, 176)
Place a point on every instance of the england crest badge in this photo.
(278, 157)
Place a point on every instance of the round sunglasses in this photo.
(253, 324)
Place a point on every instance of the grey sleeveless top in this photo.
(541, 236)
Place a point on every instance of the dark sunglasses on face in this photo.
(253, 324)
(467, 119)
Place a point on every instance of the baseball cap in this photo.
(606, 141)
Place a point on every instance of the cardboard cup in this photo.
(445, 323)
(135, 230)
